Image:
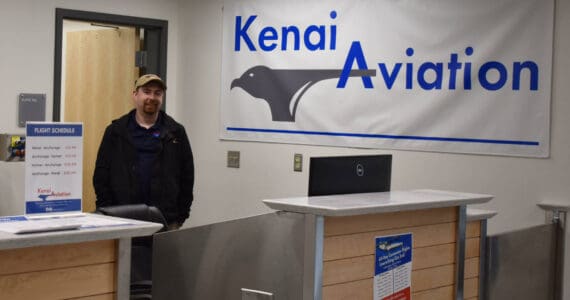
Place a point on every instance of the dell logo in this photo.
(359, 170)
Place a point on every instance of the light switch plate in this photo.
(298, 162)
(233, 159)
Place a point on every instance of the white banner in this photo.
(443, 75)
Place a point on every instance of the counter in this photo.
(85, 263)
(437, 220)
(323, 247)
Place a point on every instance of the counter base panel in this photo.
(348, 268)
(84, 271)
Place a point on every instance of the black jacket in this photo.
(172, 181)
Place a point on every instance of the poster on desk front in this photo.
(446, 76)
(54, 167)
(393, 267)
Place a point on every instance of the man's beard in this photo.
(150, 108)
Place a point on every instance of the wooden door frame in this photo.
(160, 26)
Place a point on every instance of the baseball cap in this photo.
(143, 80)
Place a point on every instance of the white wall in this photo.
(223, 193)
(27, 58)
(194, 72)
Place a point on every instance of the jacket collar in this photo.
(167, 124)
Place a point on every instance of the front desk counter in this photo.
(323, 248)
(441, 238)
(86, 263)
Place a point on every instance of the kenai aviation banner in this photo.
(443, 75)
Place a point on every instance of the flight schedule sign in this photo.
(393, 267)
(54, 163)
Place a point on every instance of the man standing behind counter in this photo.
(145, 157)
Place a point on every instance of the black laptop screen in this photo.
(349, 174)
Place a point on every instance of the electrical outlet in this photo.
(298, 162)
(233, 159)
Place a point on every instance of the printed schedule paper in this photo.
(54, 167)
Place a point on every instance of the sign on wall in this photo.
(447, 75)
(54, 163)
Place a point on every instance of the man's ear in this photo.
(133, 95)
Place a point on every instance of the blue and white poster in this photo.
(54, 167)
(445, 75)
(393, 267)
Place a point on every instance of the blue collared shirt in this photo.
(147, 144)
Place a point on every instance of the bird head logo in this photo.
(283, 89)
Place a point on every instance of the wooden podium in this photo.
(445, 247)
(91, 263)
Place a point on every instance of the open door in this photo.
(100, 73)
(94, 73)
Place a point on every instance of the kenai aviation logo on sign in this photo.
(450, 76)
(284, 88)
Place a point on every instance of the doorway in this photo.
(97, 59)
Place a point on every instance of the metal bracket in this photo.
(141, 59)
